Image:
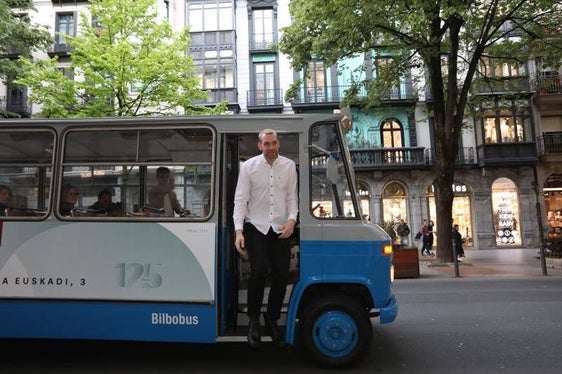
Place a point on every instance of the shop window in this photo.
(461, 210)
(394, 203)
(505, 205)
(553, 200)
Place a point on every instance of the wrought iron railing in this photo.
(550, 143)
(406, 158)
(547, 85)
(335, 94)
(263, 41)
(500, 85)
(264, 97)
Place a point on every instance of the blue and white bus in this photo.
(146, 275)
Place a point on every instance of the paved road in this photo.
(445, 325)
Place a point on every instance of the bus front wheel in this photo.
(336, 330)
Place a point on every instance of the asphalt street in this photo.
(445, 325)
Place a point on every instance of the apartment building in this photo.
(508, 180)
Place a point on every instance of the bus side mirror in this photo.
(332, 170)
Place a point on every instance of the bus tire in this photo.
(336, 330)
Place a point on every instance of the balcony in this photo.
(15, 4)
(466, 157)
(507, 154)
(548, 93)
(262, 42)
(406, 158)
(389, 158)
(21, 108)
(264, 100)
(217, 95)
(547, 85)
(331, 96)
(59, 49)
(550, 146)
(225, 39)
(11, 52)
(497, 86)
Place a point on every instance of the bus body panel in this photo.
(348, 263)
(108, 260)
(350, 248)
(107, 320)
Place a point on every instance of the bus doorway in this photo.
(235, 269)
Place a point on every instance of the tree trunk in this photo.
(444, 210)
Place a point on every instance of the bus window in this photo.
(125, 163)
(26, 159)
(330, 185)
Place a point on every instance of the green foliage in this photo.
(18, 35)
(293, 91)
(388, 227)
(126, 63)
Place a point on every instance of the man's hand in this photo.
(240, 243)
(287, 229)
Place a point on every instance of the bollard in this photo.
(455, 260)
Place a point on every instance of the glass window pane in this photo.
(195, 17)
(505, 205)
(100, 146)
(26, 159)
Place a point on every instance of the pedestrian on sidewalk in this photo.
(457, 242)
(420, 236)
(403, 232)
(427, 237)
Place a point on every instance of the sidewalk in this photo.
(517, 262)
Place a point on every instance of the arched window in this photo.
(392, 134)
(505, 205)
(394, 199)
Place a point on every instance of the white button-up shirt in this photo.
(266, 195)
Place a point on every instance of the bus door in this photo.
(227, 261)
(234, 270)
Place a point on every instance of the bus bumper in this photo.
(389, 312)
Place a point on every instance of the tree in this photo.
(126, 62)
(18, 36)
(446, 40)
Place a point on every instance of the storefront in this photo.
(505, 208)
(461, 210)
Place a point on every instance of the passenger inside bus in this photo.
(163, 196)
(105, 205)
(69, 199)
(5, 199)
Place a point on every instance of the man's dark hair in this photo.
(103, 193)
(162, 170)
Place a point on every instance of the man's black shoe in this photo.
(254, 334)
(274, 331)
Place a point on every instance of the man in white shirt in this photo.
(265, 213)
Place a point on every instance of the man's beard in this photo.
(271, 154)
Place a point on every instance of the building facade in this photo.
(508, 180)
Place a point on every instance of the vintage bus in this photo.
(142, 273)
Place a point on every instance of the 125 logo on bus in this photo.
(137, 275)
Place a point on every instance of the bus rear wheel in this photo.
(336, 330)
